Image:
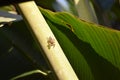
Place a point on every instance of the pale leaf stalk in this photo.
(29, 73)
(85, 10)
(47, 41)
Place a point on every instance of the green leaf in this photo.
(93, 50)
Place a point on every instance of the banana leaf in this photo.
(93, 50)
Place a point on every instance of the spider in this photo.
(51, 42)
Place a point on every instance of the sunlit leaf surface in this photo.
(93, 50)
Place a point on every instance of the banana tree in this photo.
(92, 50)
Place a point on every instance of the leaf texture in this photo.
(93, 50)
